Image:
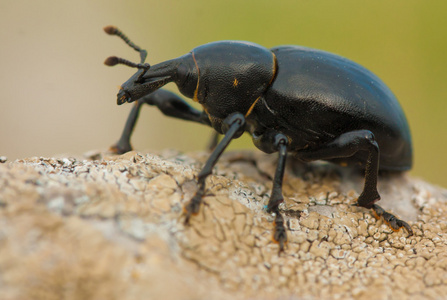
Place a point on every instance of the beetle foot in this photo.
(275, 200)
(279, 232)
(394, 223)
(192, 208)
(120, 148)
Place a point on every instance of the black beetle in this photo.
(314, 104)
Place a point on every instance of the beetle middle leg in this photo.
(234, 127)
(169, 104)
(347, 145)
(279, 235)
(214, 140)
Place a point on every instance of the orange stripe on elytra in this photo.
(275, 67)
(198, 78)
(271, 80)
(252, 106)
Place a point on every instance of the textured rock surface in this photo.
(112, 228)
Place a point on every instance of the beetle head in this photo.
(142, 82)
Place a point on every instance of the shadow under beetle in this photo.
(314, 104)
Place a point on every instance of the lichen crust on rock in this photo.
(113, 228)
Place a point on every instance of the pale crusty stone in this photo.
(112, 228)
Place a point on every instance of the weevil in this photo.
(291, 99)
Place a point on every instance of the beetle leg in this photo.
(279, 234)
(169, 104)
(235, 123)
(214, 140)
(276, 198)
(346, 145)
(123, 145)
(394, 223)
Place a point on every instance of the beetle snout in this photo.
(123, 97)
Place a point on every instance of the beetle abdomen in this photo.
(317, 96)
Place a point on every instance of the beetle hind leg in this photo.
(347, 145)
(394, 223)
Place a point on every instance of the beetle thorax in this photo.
(231, 76)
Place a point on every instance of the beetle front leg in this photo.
(169, 104)
(123, 145)
(234, 128)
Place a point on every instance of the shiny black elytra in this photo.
(314, 104)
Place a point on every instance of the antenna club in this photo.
(111, 30)
(111, 61)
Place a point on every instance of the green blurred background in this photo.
(57, 97)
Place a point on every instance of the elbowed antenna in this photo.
(112, 30)
(113, 60)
